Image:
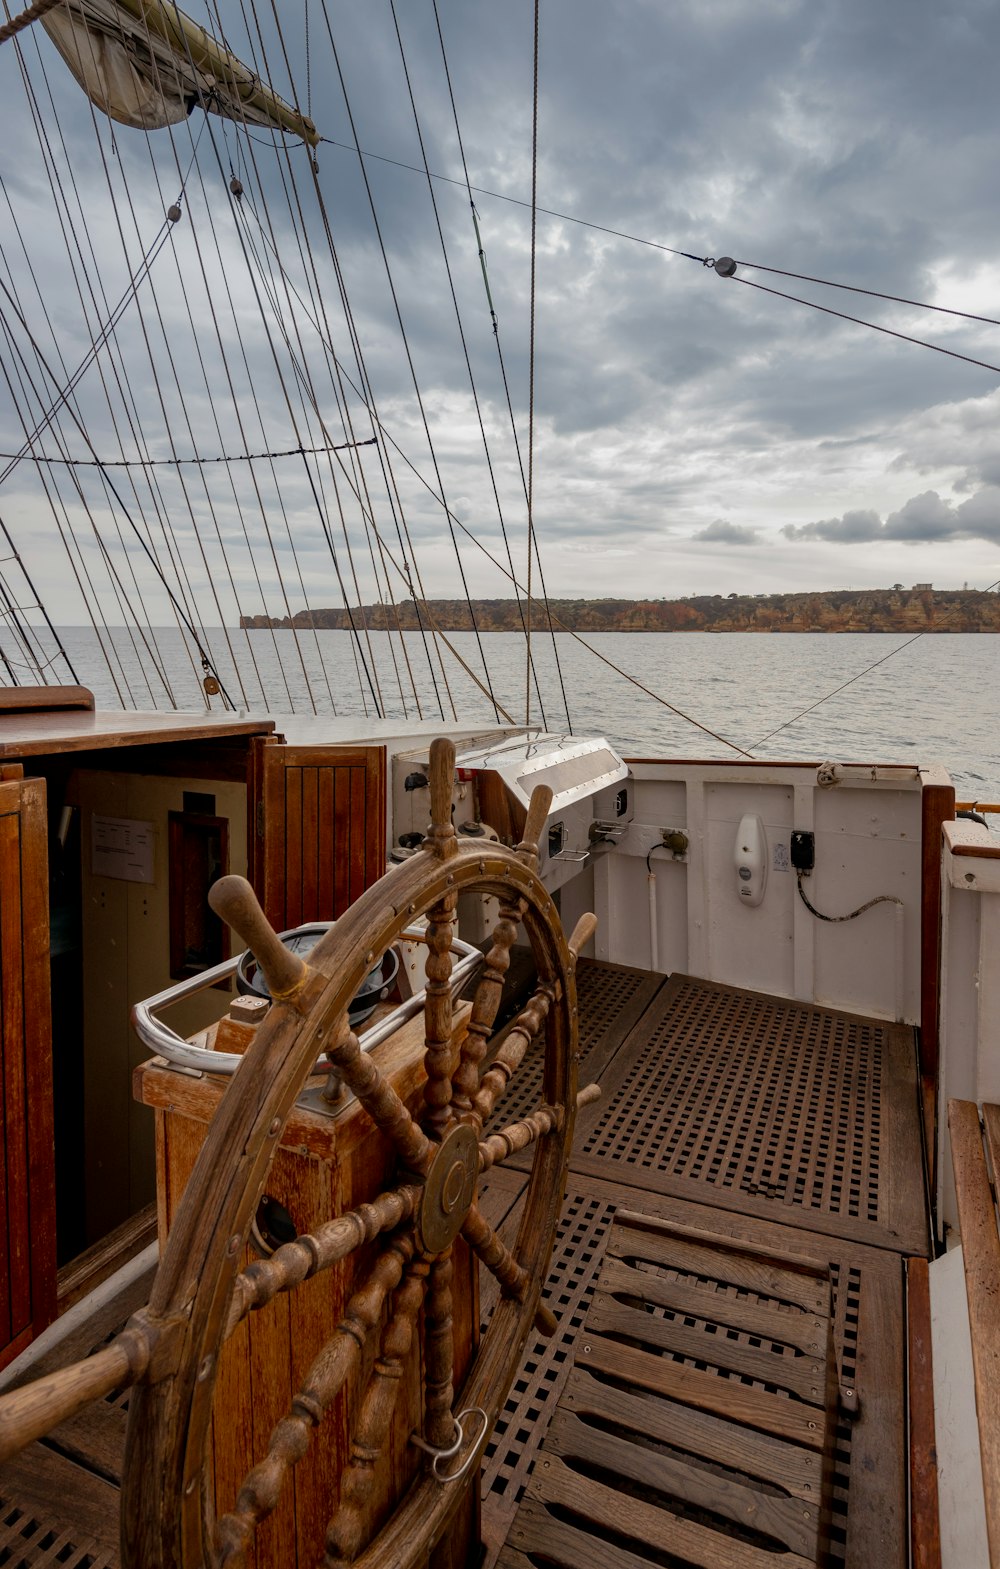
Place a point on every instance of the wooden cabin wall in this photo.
(126, 957)
(27, 1192)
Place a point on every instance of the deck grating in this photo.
(770, 1105)
(768, 1153)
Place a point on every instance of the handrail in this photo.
(160, 1039)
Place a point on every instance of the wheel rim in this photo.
(200, 1290)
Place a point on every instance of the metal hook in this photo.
(473, 1455)
(453, 1448)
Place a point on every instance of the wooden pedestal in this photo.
(324, 1167)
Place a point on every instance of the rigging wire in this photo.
(176, 558)
(496, 338)
(531, 359)
(308, 391)
(116, 355)
(405, 340)
(458, 314)
(361, 662)
(878, 294)
(393, 495)
(860, 321)
(420, 604)
(154, 463)
(845, 684)
(658, 245)
(506, 385)
(206, 660)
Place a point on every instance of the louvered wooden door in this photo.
(27, 1167)
(317, 828)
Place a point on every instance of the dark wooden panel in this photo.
(318, 819)
(27, 1229)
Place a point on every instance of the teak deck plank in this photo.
(788, 1519)
(804, 1376)
(805, 1331)
(981, 1259)
(661, 1529)
(760, 1454)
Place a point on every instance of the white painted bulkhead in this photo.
(867, 827)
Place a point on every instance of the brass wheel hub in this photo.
(450, 1188)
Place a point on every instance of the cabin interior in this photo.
(790, 980)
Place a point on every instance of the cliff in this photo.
(837, 610)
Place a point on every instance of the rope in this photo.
(531, 363)
(152, 463)
(25, 19)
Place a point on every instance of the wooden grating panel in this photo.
(26, 1543)
(777, 1101)
(697, 1420)
(867, 1493)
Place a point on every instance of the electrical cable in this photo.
(882, 898)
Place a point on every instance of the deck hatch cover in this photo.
(753, 1094)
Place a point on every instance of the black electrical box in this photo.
(803, 850)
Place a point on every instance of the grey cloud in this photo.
(927, 517)
(722, 532)
(849, 529)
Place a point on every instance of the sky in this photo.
(692, 434)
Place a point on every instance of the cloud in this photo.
(722, 532)
(924, 518)
(850, 528)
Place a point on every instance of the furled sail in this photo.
(146, 64)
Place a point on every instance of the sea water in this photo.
(932, 700)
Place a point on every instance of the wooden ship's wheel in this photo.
(399, 1315)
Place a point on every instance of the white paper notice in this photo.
(121, 847)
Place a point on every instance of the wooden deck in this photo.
(771, 1124)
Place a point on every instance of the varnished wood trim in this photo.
(21, 699)
(925, 1525)
(83, 1273)
(981, 852)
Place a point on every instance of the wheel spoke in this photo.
(499, 1260)
(439, 1354)
(346, 1531)
(314, 1252)
(380, 1100)
(519, 1037)
(438, 1014)
(289, 1439)
(465, 1081)
(518, 1135)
